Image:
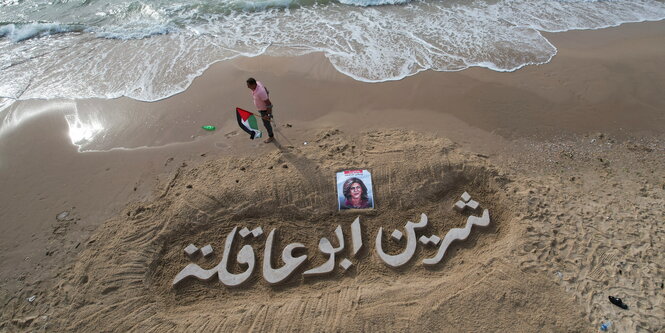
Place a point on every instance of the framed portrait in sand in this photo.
(354, 190)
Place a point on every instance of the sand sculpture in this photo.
(274, 275)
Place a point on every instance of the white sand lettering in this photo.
(356, 236)
(245, 256)
(411, 242)
(458, 234)
(277, 275)
(273, 276)
(326, 247)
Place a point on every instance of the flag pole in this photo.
(258, 115)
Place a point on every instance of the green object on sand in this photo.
(208, 127)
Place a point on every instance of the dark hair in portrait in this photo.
(346, 188)
(355, 195)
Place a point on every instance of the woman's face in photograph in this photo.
(356, 190)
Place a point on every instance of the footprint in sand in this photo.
(230, 134)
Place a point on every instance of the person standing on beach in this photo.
(263, 105)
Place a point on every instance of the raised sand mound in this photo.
(123, 279)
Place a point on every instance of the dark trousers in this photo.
(266, 123)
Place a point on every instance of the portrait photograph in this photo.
(354, 190)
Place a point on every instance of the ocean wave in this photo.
(20, 32)
(367, 3)
(122, 33)
(149, 51)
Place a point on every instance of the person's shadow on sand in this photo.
(307, 168)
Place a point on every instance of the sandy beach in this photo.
(567, 157)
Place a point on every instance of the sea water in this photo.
(75, 49)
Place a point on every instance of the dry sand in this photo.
(567, 156)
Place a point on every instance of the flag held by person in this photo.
(247, 122)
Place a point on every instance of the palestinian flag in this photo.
(247, 122)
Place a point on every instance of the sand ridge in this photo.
(122, 280)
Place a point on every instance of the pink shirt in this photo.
(260, 95)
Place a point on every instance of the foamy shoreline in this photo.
(99, 125)
(150, 51)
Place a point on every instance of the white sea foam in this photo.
(17, 33)
(149, 51)
(171, 45)
(366, 3)
(122, 33)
